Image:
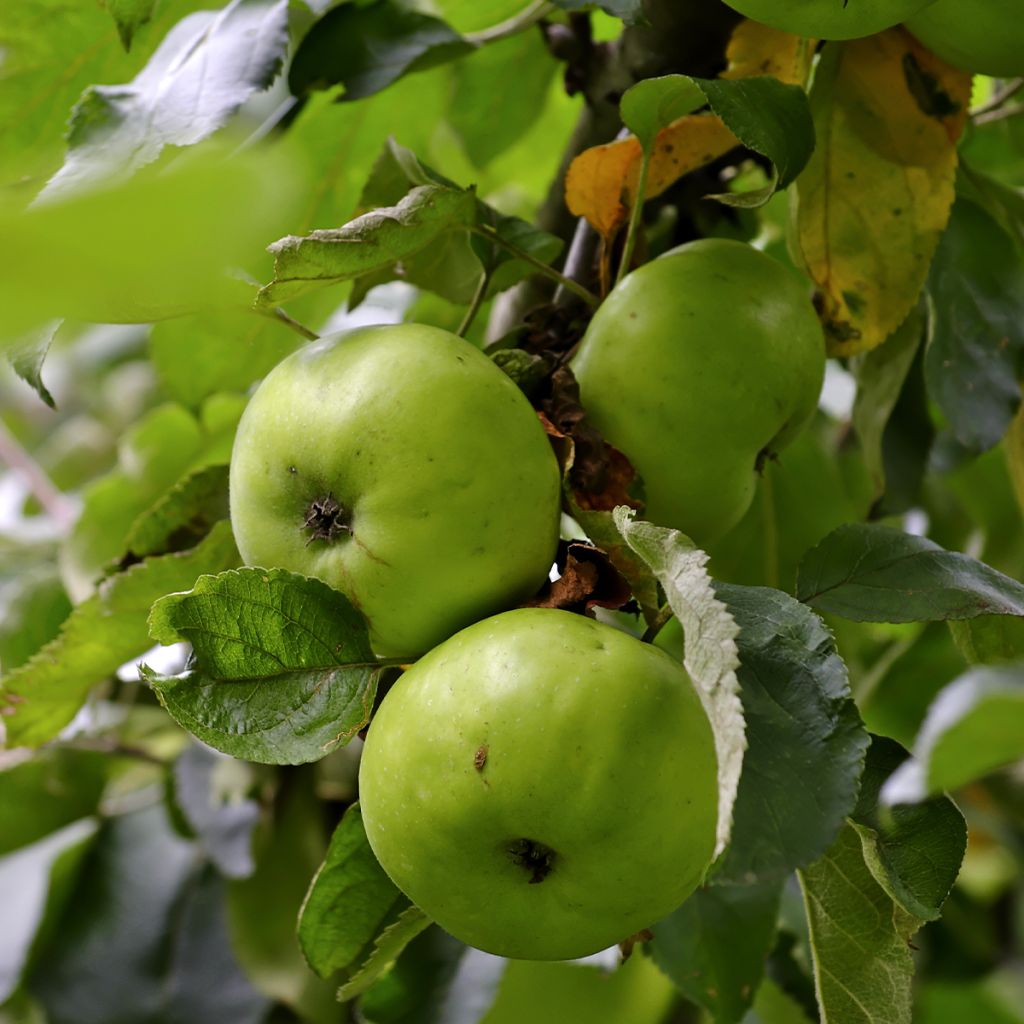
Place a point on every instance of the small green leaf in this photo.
(871, 573)
(367, 244)
(40, 697)
(351, 903)
(283, 672)
(989, 639)
(974, 726)
(976, 350)
(914, 851)
(710, 652)
(366, 47)
(28, 354)
(130, 16)
(654, 103)
(387, 947)
(863, 967)
(714, 946)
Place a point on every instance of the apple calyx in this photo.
(533, 857)
(326, 519)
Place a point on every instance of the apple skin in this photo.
(830, 19)
(985, 37)
(451, 488)
(697, 365)
(534, 727)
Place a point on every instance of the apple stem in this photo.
(634, 215)
(475, 303)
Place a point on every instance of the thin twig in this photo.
(474, 306)
(526, 18)
(999, 115)
(486, 231)
(280, 314)
(54, 503)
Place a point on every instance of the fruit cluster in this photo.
(541, 784)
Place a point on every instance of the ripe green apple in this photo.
(698, 366)
(401, 466)
(985, 37)
(830, 19)
(542, 785)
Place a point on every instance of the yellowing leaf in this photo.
(602, 180)
(874, 199)
(756, 49)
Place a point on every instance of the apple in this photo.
(542, 785)
(700, 365)
(830, 19)
(985, 37)
(402, 467)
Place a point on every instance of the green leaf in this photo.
(33, 605)
(130, 16)
(489, 117)
(871, 573)
(714, 946)
(805, 739)
(976, 353)
(27, 357)
(366, 47)
(863, 968)
(42, 795)
(654, 103)
(387, 947)
(283, 672)
(207, 66)
(38, 699)
(881, 374)
(710, 651)
(974, 726)
(350, 902)
(181, 517)
(368, 244)
(914, 851)
(989, 639)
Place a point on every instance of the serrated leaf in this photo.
(863, 967)
(654, 103)
(881, 374)
(805, 740)
(350, 905)
(366, 47)
(874, 198)
(283, 671)
(710, 652)
(28, 354)
(130, 16)
(386, 949)
(207, 66)
(715, 945)
(975, 725)
(368, 244)
(914, 851)
(871, 573)
(182, 516)
(38, 699)
(975, 353)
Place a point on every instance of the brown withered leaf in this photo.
(588, 579)
(756, 49)
(876, 194)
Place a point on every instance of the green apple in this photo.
(402, 467)
(542, 785)
(982, 36)
(699, 365)
(830, 19)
